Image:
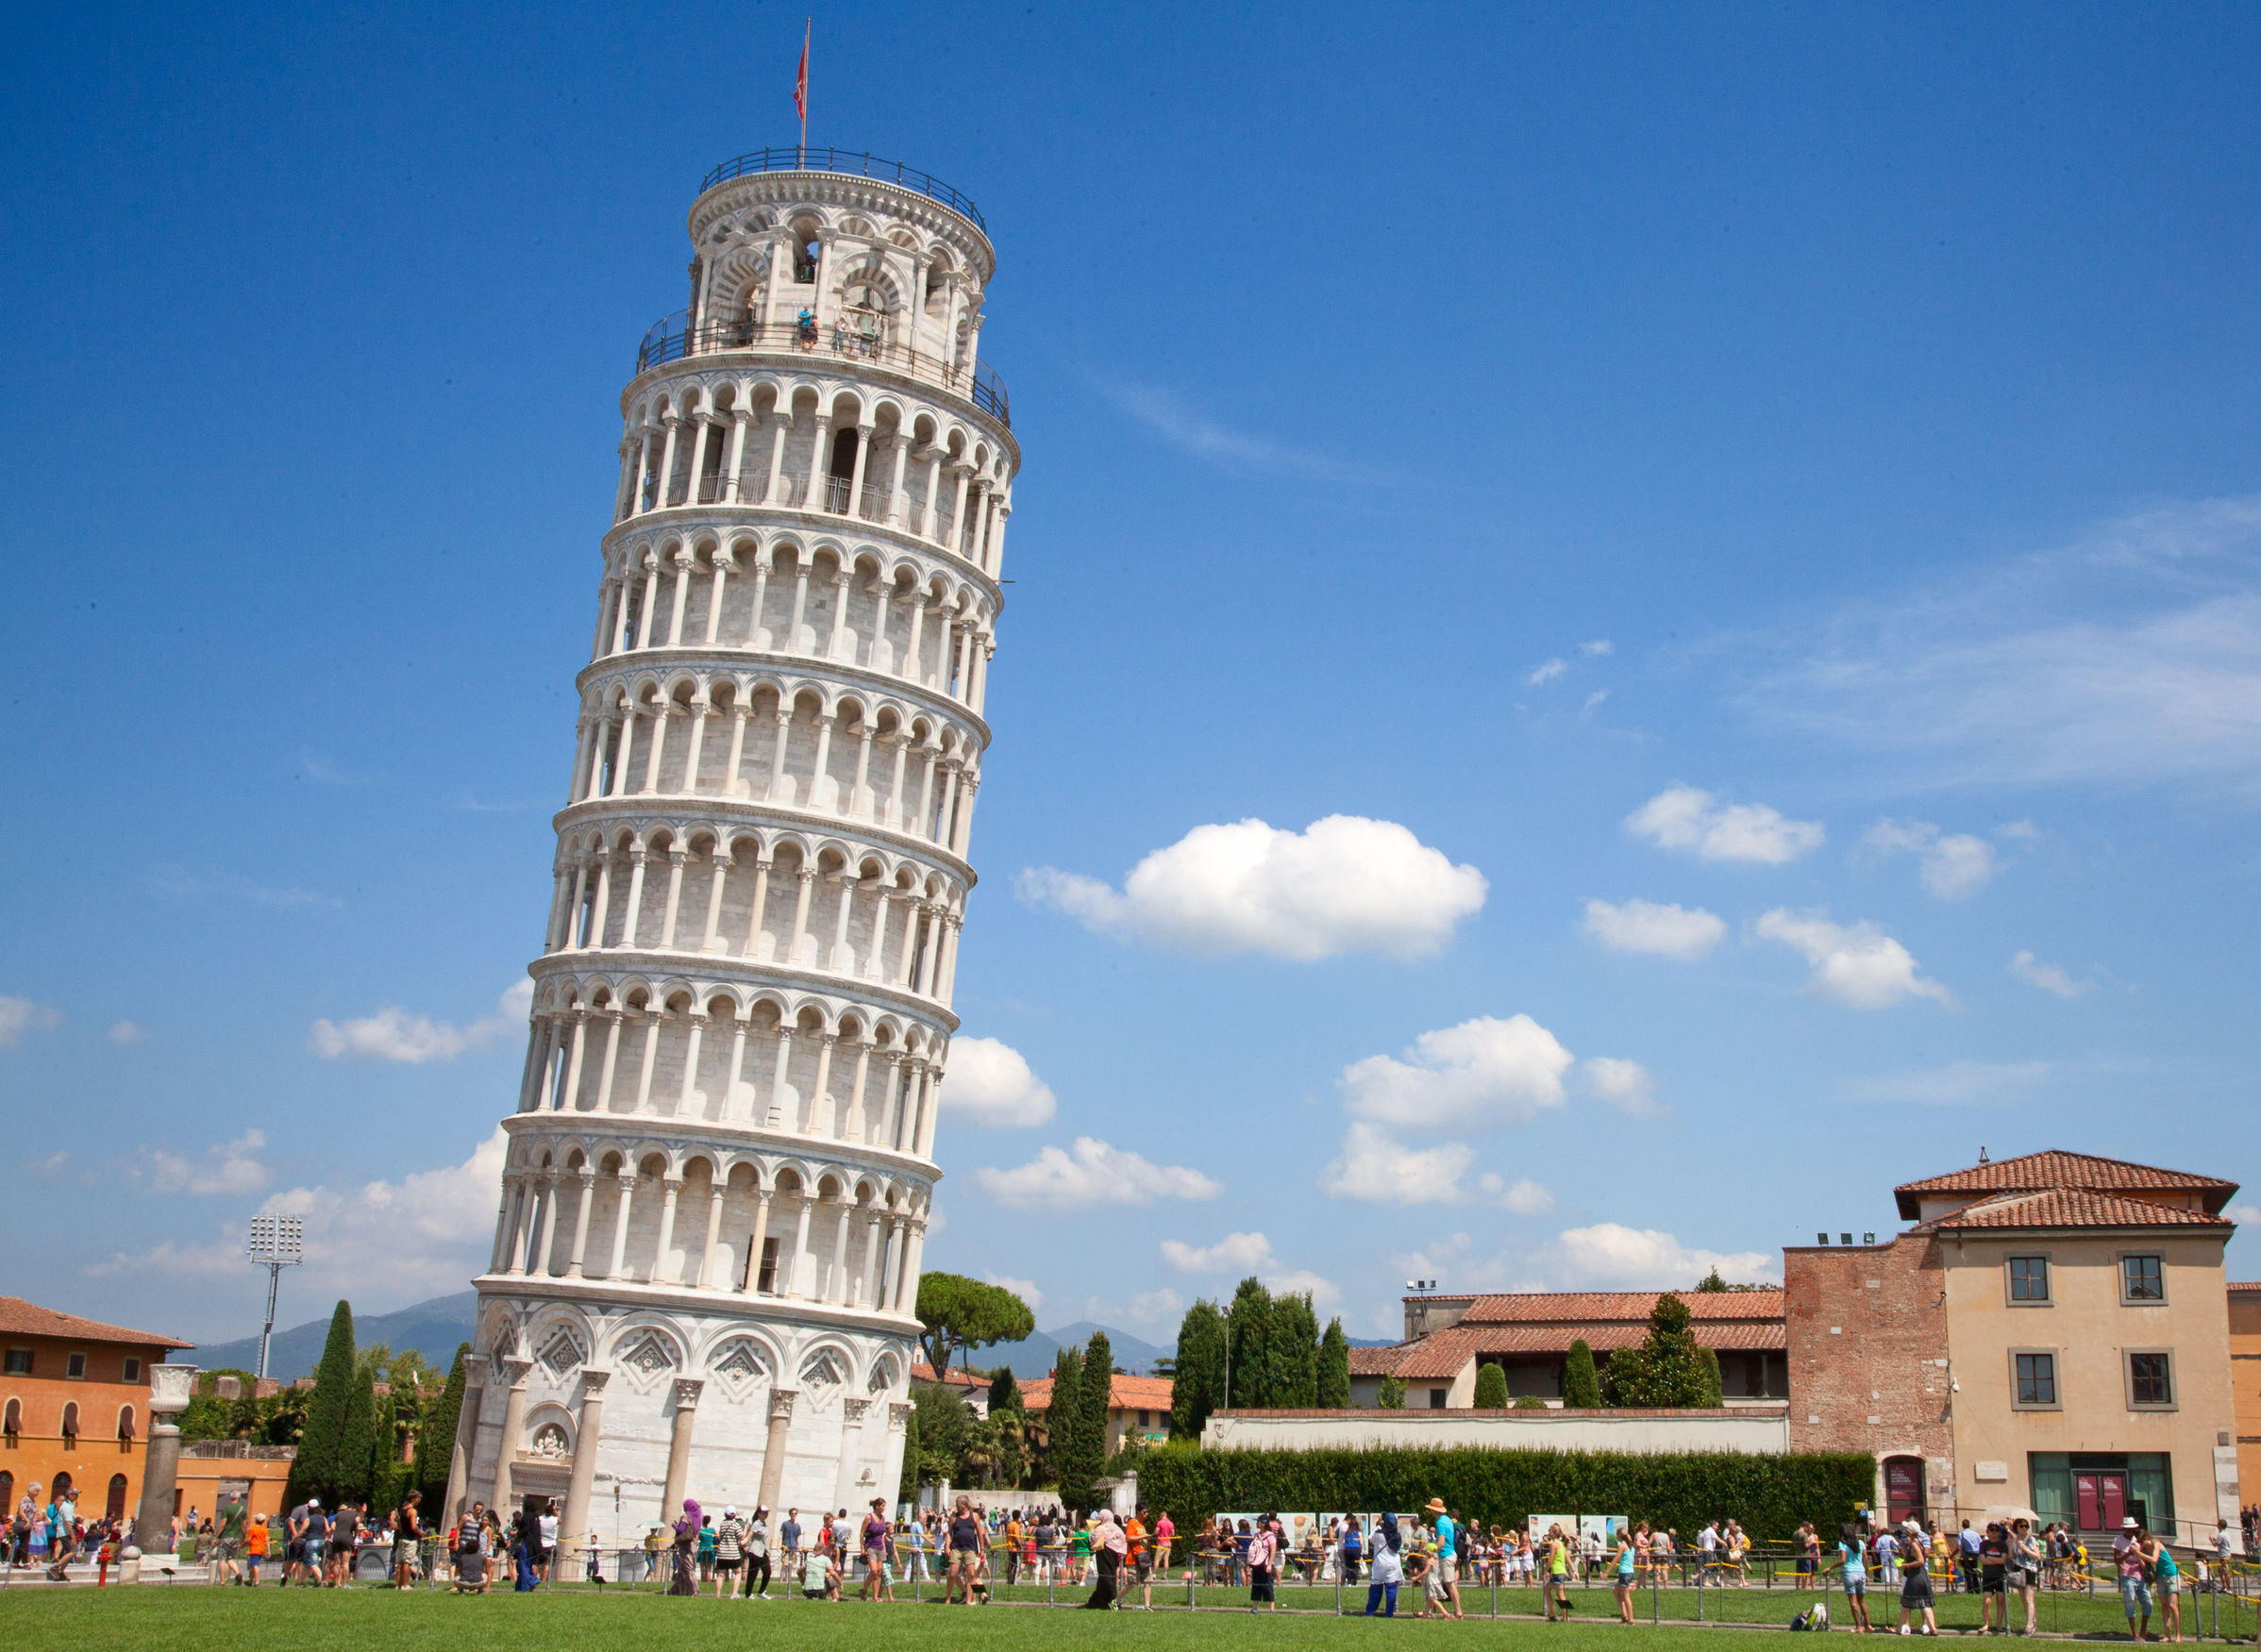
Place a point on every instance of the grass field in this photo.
(196, 1619)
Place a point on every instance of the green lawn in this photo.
(199, 1619)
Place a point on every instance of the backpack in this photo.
(1814, 1617)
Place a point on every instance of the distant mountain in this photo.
(1034, 1356)
(432, 1329)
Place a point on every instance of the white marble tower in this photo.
(707, 1256)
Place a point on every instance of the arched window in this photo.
(12, 1423)
(126, 1425)
(71, 1423)
(114, 1506)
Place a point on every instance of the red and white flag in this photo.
(800, 81)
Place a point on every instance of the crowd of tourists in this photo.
(49, 1533)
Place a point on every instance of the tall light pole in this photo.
(275, 1245)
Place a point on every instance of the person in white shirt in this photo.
(1707, 1543)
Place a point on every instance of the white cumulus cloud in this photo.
(19, 1016)
(1376, 1168)
(1345, 884)
(2049, 978)
(1243, 1253)
(1610, 1256)
(232, 1168)
(1685, 817)
(1625, 1085)
(394, 1035)
(1665, 930)
(1522, 1196)
(1024, 1288)
(1485, 1073)
(1953, 866)
(383, 1243)
(990, 1083)
(1092, 1173)
(2244, 1215)
(1857, 964)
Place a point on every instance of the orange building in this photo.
(2245, 1379)
(1138, 1408)
(73, 1406)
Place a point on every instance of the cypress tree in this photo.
(1004, 1393)
(1254, 1380)
(1197, 1379)
(1490, 1387)
(1335, 1367)
(1059, 1421)
(436, 1436)
(1713, 1395)
(356, 1436)
(314, 1470)
(1096, 1395)
(1294, 1351)
(1079, 1435)
(1582, 1389)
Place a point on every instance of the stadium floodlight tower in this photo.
(277, 1243)
(715, 1191)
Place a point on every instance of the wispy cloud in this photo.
(232, 1168)
(1547, 673)
(2131, 656)
(325, 773)
(1963, 1083)
(2049, 978)
(126, 1032)
(1167, 413)
(394, 1035)
(1600, 646)
(185, 883)
(19, 1016)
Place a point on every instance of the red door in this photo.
(2102, 1498)
(1903, 1488)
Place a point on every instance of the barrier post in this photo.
(1700, 1572)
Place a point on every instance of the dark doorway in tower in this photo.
(842, 469)
(1903, 1488)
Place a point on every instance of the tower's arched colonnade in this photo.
(719, 1168)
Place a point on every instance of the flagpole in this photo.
(808, 26)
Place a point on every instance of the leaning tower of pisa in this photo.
(719, 1171)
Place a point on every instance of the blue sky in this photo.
(1857, 403)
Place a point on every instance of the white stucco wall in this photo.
(1744, 1429)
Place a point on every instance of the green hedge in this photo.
(1677, 1489)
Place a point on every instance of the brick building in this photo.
(2245, 1380)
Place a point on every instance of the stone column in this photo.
(671, 1186)
(170, 1387)
(580, 1223)
(773, 1451)
(706, 1259)
(587, 1432)
(618, 1267)
(751, 1284)
(458, 1457)
(679, 1448)
(514, 1419)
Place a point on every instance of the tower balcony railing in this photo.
(788, 159)
(673, 339)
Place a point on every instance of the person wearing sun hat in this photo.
(1447, 1553)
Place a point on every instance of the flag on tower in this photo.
(800, 82)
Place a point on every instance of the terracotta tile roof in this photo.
(1375, 1362)
(20, 1318)
(1442, 1355)
(1125, 1394)
(922, 1372)
(2252, 1285)
(1593, 1306)
(2069, 1207)
(2057, 1169)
